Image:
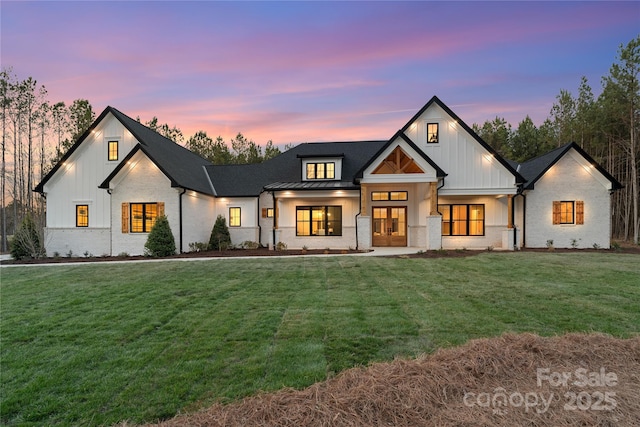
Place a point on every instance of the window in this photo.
(568, 212)
(112, 151)
(319, 221)
(234, 217)
(462, 220)
(389, 195)
(432, 133)
(321, 170)
(143, 216)
(82, 215)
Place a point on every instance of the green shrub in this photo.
(26, 243)
(249, 244)
(160, 241)
(220, 238)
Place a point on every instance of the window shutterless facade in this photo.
(234, 217)
(143, 216)
(82, 215)
(325, 170)
(112, 150)
(389, 195)
(319, 221)
(433, 133)
(462, 220)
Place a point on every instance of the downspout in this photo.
(275, 217)
(357, 215)
(109, 191)
(259, 215)
(180, 216)
(513, 215)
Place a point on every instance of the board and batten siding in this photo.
(76, 183)
(470, 168)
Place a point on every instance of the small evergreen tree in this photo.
(220, 237)
(160, 241)
(26, 242)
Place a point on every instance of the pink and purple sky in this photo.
(313, 71)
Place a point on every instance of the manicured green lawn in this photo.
(94, 345)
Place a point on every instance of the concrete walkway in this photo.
(374, 252)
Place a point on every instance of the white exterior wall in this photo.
(571, 178)
(142, 182)
(495, 222)
(266, 224)
(248, 230)
(197, 219)
(76, 183)
(470, 168)
(287, 219)
(77, 241)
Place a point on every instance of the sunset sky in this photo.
(313, 71)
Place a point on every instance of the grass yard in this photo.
(98, 344)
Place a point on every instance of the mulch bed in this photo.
(445, 253)
(512, 380)
(202, 254)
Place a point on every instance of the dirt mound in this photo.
(512, 380)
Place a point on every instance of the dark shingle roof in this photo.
(532, 170)
(183, 167)
(285, 171)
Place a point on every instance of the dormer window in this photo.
(432, 133)
(323, 170)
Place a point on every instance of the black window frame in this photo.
(563, 212)
(431, 134)
(109, 151)
(467, 220)
(144, 205)
(78, 224)
(326, 221)
(239, 216)
(388, 197)
(315, 171)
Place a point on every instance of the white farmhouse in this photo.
(435, 184)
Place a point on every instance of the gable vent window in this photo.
(112, 151)
(568, 212)
(325, 170)
(432, 133)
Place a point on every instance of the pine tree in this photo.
(160, 242)
(220, 238)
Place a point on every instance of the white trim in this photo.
(477, 191)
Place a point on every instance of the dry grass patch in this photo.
(463, 386)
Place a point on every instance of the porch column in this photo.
(363, 199)
(510, 211)
(433, 195)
